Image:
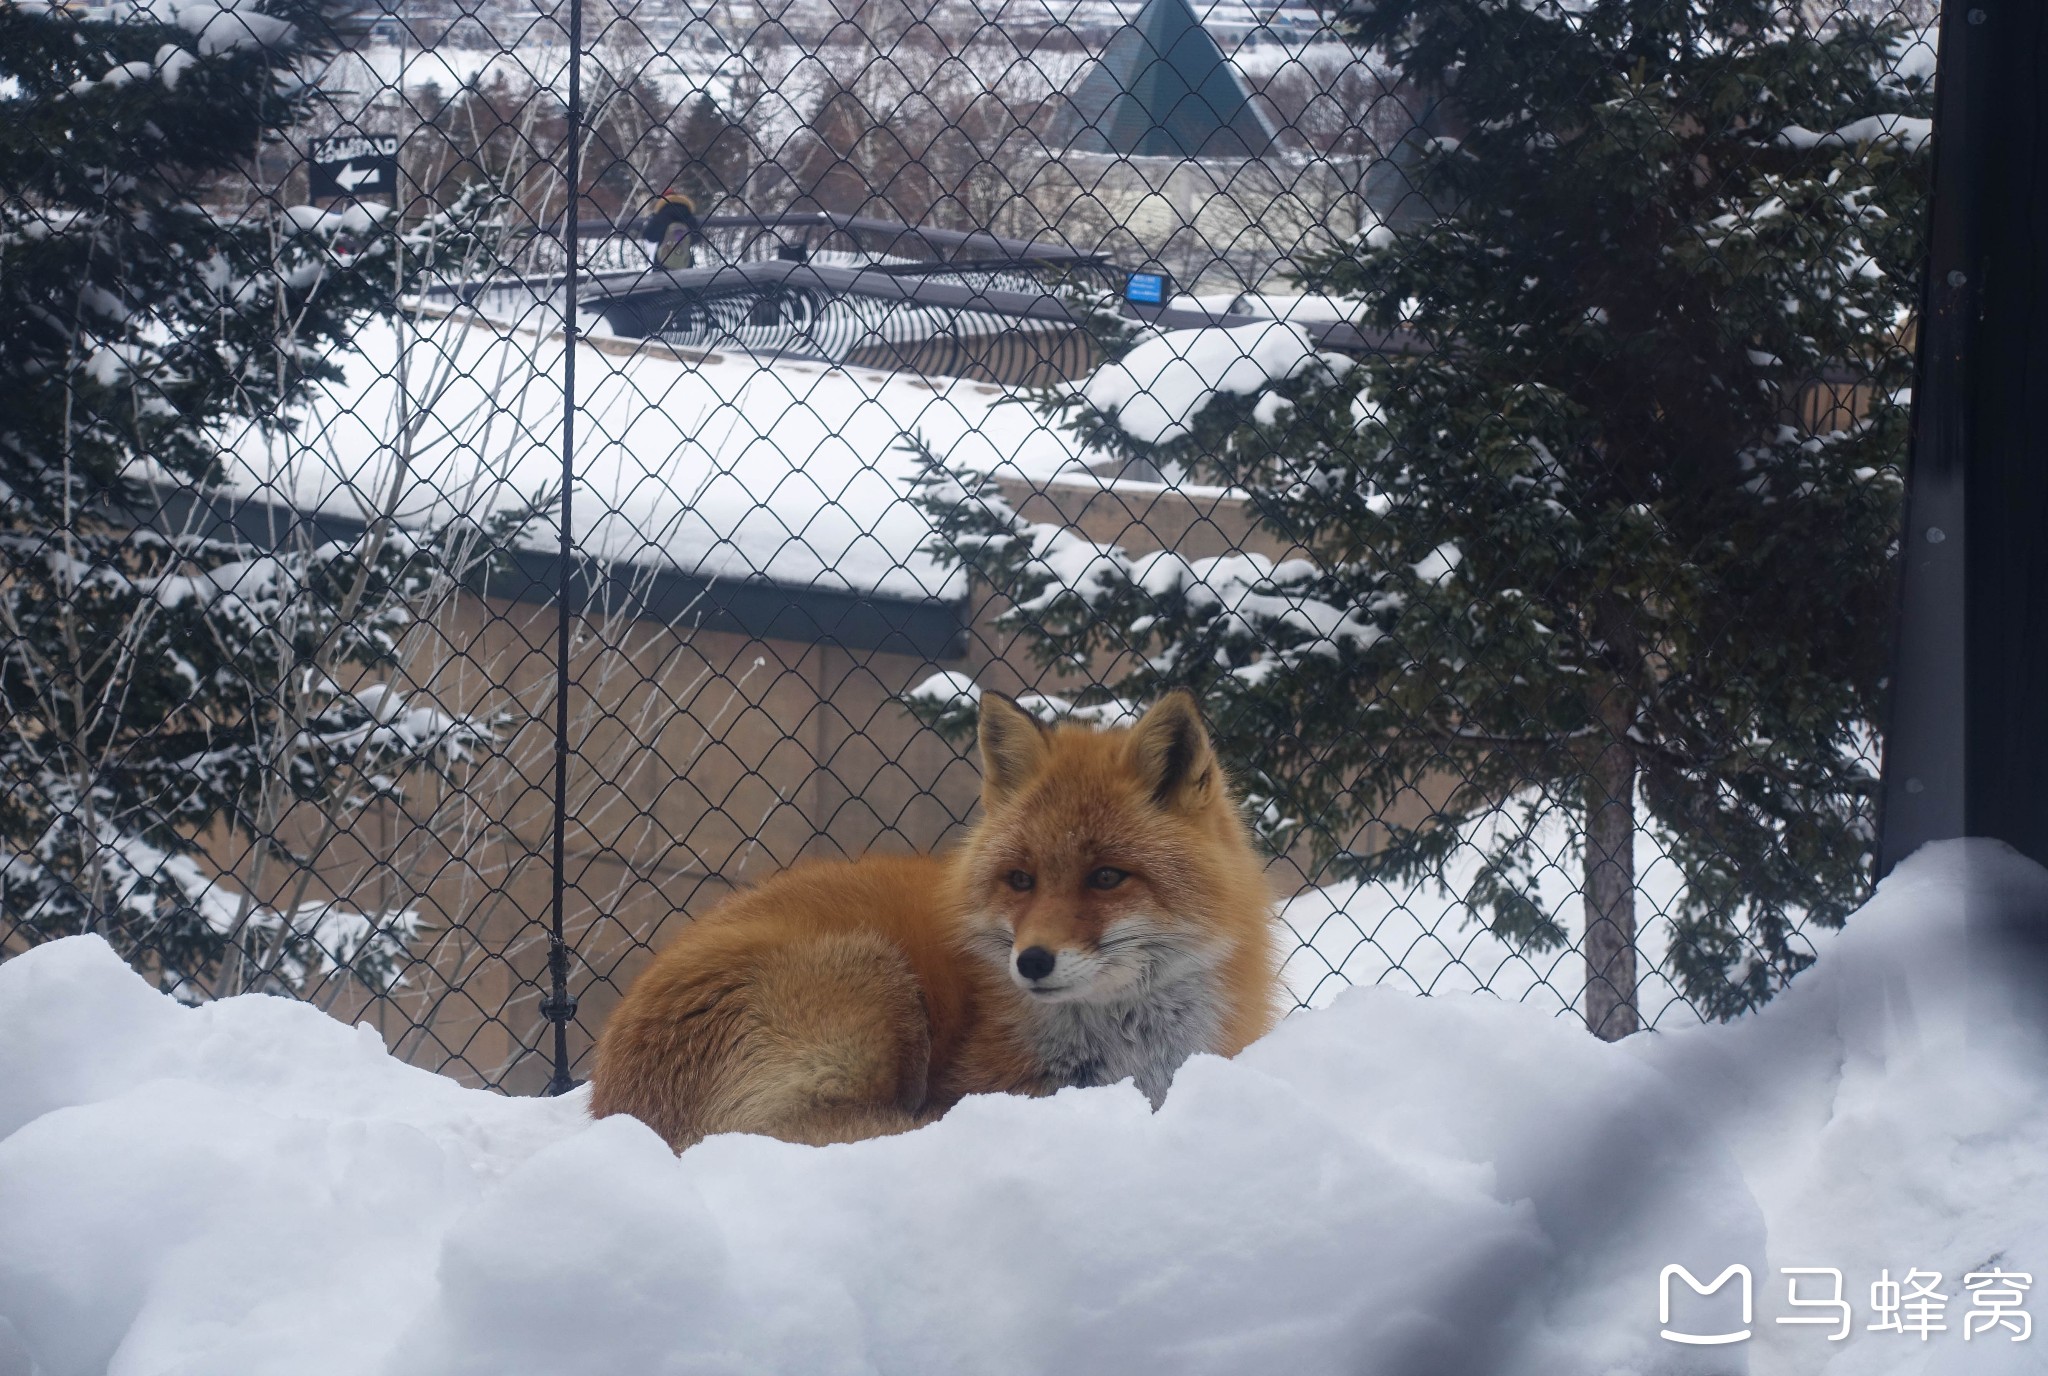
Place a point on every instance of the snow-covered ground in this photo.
(1391, 1184)
(730, 466)
(1421, 936)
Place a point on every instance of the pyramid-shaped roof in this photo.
(1162, 89)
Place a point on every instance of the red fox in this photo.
(1106, 918)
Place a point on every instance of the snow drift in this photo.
(1392, 1184)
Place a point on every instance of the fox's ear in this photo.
(1170, 748)
(1012, 747)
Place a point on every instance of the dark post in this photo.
(1966, 751)
(558, 1007)
(2007, 490)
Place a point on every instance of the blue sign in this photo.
(1146, 288)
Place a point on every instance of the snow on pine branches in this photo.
(162, 680)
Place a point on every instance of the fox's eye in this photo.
(1021, 880)
(1106, 878)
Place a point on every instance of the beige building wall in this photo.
(700, 760)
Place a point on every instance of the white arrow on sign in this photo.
(350, 176)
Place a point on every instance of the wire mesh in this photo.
(483, 482)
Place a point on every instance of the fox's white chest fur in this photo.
(1143, 1036)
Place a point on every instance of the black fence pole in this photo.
(558, 1007)
(1966, 750)
(2006, 710)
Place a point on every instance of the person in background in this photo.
(672, 228)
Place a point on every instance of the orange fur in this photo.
(849, 999)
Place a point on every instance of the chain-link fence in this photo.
(482, 482)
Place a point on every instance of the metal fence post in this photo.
(2006, 489)
(559, 1007)
(1924, 784)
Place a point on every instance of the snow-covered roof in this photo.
(721, 466)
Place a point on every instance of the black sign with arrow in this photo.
(355, 165)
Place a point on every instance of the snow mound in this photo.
(1391, 1184)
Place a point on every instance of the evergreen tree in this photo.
(156, 679)
(715, 149)
(1575, 550)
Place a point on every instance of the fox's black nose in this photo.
(1034, 962)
